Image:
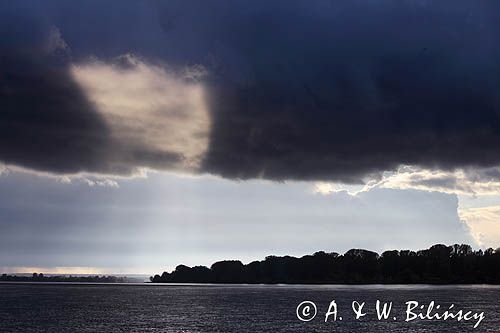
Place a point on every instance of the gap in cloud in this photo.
(158, 117)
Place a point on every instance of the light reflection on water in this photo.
(230, 308)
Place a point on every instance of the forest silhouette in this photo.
(40, 277)
(440, 264)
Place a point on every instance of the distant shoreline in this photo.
(41, 278)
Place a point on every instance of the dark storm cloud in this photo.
(341, 89)
(297, 90)
(45, 121)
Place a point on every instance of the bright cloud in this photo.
(484, 223)
(476, 184)
(153, 112)
(464, 182)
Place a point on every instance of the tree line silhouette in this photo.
(440, 264)
(40, 277)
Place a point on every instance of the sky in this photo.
(141, 135)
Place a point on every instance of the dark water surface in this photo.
(223, 308)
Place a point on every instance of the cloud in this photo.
(110, 118)
(484, 224)
(472, 182)
(3, 170)
(46, 123)
(99, 182)
(475, 187)
(338, 91)
(333, 91)
(55, 42)
(157, 118)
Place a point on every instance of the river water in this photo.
(236, 308)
